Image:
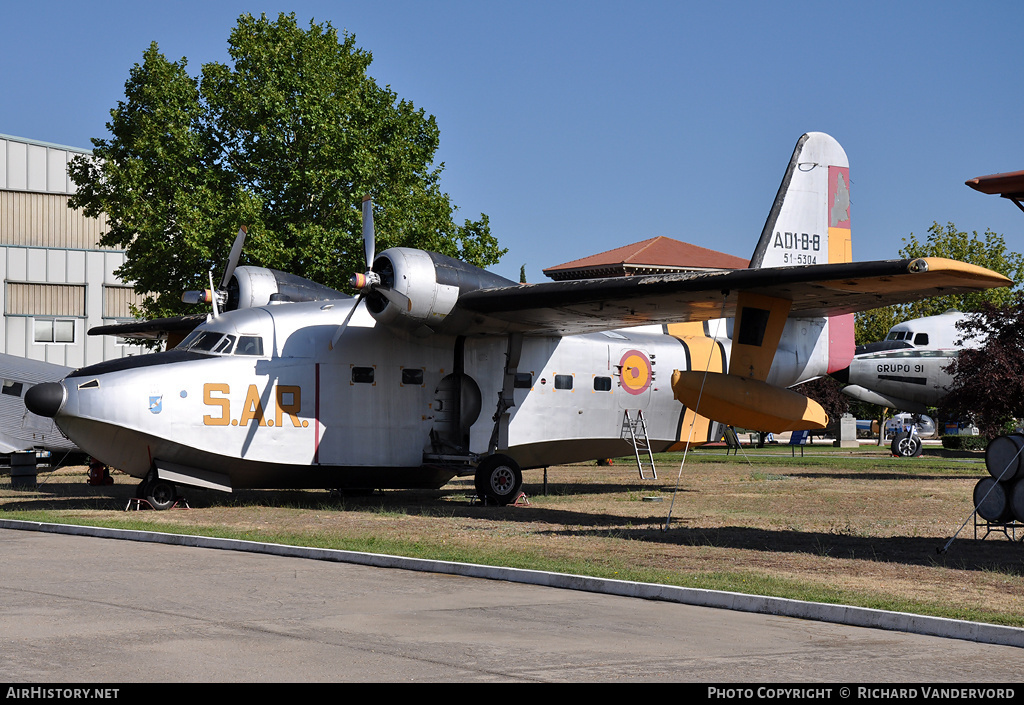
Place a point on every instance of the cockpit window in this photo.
(217, 343)
(187, 341)
(206, 341)
(921, 339)
(225, 345)
(249, 345)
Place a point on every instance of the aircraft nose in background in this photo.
(45, 399)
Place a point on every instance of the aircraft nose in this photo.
(45, 399)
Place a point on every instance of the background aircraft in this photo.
(906, 371)
(440, 369)
(20, 429)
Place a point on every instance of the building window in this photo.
(53, 330)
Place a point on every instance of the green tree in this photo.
(988, 251)
(988, 382)
(286, 139)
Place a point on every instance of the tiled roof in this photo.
(658, 254)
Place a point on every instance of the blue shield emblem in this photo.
(156, 404)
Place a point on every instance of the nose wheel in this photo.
(498, 479)
(906, 445)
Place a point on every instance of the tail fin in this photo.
(809, 222)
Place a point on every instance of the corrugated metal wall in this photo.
(44, 220)
(45, 299)
(118, 300)
(57, 282)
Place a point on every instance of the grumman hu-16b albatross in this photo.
(439, 369)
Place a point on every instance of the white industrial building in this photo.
(58, 282)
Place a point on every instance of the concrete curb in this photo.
(837, 614)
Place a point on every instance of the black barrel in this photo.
(1004, 457)
(991, 501)
(1016, 499)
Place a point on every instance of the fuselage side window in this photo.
(13, 388)
(362, 375)
(602, 384)
(412, 376)
(522, 380)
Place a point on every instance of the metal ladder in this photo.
(637, 430)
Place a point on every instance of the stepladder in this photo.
(634, 430)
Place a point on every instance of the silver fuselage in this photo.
(374, 409)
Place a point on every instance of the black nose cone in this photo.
(45, 399)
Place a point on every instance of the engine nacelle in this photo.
(430, 284)
(259, 286)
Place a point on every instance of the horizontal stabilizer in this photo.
(747, 403)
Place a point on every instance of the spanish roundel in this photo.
(636, 372)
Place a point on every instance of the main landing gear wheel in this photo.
(906, 446)
(498, 479)
(161, 494)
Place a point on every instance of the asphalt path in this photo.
(78, 609)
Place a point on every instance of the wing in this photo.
(572, 307)
(153, 330)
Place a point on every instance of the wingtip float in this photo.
(747, 403)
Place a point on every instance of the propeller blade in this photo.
(344, 324)
(216, 308)
(368, 233)
(236, 253)
(400, 300)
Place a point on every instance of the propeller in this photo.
(217, 297)
(369, 282)
(363, 282)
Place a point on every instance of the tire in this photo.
(498, 479)
(160, 494)
(906, 446)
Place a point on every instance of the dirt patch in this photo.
(861, 523)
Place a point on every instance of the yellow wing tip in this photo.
(972, 271)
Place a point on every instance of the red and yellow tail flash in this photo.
(747, 403)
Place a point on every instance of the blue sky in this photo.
(583, 126)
